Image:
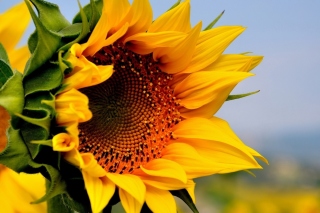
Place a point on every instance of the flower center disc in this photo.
(133, 111)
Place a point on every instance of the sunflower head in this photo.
(124, 105)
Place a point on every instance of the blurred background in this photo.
(282, 121)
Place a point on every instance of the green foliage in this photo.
(5, 70)
(214, 21)
(92, 12)
(184, 195)
(233, 97)
(3, 54)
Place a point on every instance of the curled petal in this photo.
(63, 142)
(84, 73)
(72, 106)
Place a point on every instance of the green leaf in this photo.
(214, 22)
(40, 100)
(64, 203)
(50, 77)
(84, 32)
(50, 15)
(233, 97)
(15, 155)
(5, 72)
(3, 54)
(32, 42)
(46, 41)
(184, 195)
(12, 96)
(71, 31)
(92, 11)
(96, 8)
(55, 183)
(39, 118)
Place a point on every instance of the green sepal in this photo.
(3, 54)
(15, 155)
(47, 43)
(42, 142)
(42, 120)
(72, 31)
(41, 100)
(63, 64)
(234, 97)
(92, 11)
(174, 5)
(84, 31)
(35, 126)
(12, 96)
(50, 77)
(55, 184)
(184, 195)
(50, 15)
(214, 22)
(64, 203)
(33, 42)
(5, 72)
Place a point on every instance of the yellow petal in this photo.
(131, 184)
(145, 43)
(205, 111)
(13, 24)
(91, 166)
(191, 189)
(163, 168)
(129, 203)
(203, 87)
(234, 62)
(160, 201)
(116, 11)
(98, 34)
(177, 19)
(142, 17)
(177, 58)
(165, 183)
(18, 58)
(215, 135)
(19, 190)
(226, 128)
(230, 158)
(193, 164)
(100, 191)
(74, 157)
(210, 46)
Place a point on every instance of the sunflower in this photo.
(138, 106)
(16, 188)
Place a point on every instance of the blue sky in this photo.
(287, 34)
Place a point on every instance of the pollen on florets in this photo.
(133, 111)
